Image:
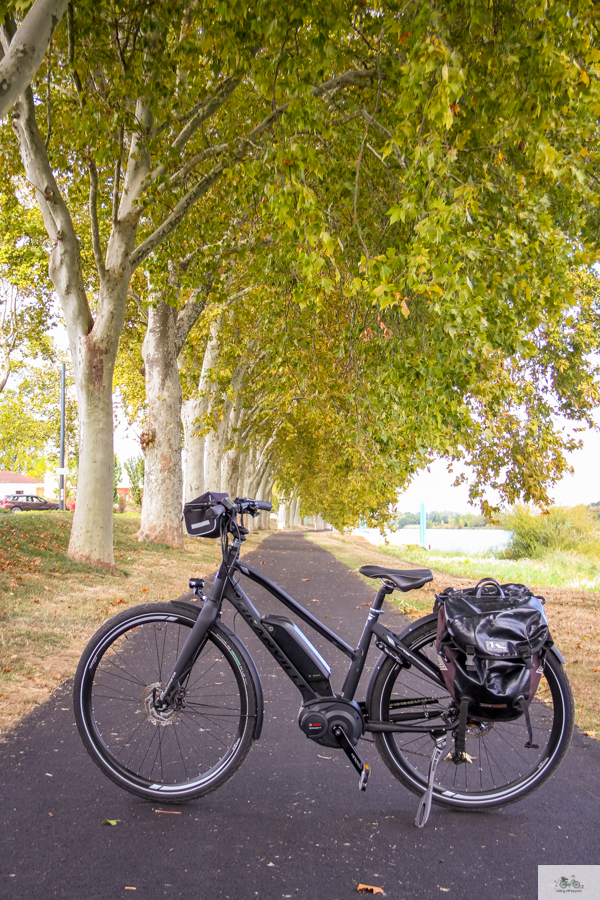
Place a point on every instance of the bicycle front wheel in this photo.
(181, 752)
(501, 770)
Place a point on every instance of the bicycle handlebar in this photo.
(253, 507)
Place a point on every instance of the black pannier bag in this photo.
(491, 642)
(204, 515)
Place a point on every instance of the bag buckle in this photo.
(470, 664)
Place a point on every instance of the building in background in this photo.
(15, 483)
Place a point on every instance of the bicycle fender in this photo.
(242, 650)
(432, 617)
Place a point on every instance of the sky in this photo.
(434, 488)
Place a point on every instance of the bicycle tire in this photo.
(158, 755)
(502, 771)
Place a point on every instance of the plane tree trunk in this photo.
(166, 334)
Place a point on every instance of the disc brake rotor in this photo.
(162, 717)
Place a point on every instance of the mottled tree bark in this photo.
(25, 53)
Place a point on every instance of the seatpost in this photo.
(360, 654)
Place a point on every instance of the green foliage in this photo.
(30, 422)
(562, 528)
(437, 519)
(135, 470)
(409, 519)
(417, 242)
(117, 473)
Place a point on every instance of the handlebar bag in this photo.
(491, 643)
(203, 516)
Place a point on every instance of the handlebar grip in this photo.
(263, 504)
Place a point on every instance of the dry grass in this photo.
(50, 606)
(572, 616)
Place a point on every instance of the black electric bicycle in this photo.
(168, 700)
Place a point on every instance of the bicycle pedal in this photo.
(364, 778)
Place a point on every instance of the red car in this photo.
(25, 502)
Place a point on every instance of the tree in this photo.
(26, 312)
(30, 424)
(135, 471)
(117, 475)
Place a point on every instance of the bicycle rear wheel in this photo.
(502, 769)
(170, 755)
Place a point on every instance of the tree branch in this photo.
(24, 54)
(138, 164)
(190, 313)
(93, 207)
(117, 178)
(67, 278)
(199, 114)
(204, 110)
(327, 89)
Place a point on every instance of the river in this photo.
(461, 540)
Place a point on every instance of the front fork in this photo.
(198, 635)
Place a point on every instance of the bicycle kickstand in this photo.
(424, 807)
(362, 768)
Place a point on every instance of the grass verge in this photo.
(559, 569)
(572, 614)
(50, 606)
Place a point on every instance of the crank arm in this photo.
(362, 768)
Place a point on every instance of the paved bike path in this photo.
(291, 823)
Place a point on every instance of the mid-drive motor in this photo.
(318, 718)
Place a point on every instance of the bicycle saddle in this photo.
(404, 579)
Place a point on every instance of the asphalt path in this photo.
(291, 823)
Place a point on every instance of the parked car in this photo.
(26, 502)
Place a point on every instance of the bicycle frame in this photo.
(224, 588)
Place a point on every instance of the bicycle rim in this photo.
(180, 753)
(501, 769)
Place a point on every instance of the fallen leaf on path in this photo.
(369, 889)
(168, 812)
(109, 821)
(144, 590)
(444, 889)
(314, 601)
(306, 579)
(271, 864)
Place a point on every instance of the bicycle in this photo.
(168, 700)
